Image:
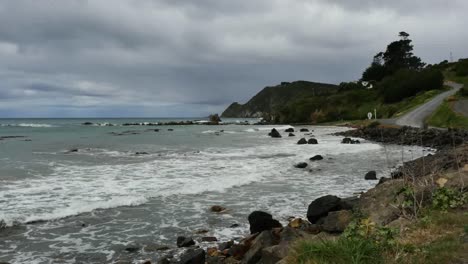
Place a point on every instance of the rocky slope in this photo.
(267, 100)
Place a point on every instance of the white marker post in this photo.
(369, 115)
(375, 114)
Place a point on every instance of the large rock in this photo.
(301, 165)
(337, 221)
(274, 133)
(302, 141)
(193, 256)
(348, 140)
(260, 221)
(321, 206)
(304, 130)
(312, 141)
(371, 175)
(316, 157)
(291, 135)
(289, 130)
(185, 241)
(263, 240)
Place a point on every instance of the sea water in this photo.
(90, 204)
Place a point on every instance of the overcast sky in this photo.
(110, 58)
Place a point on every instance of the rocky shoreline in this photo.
(328, 216)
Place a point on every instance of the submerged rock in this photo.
(302, 141)
(316, 157)
(312, 141)
(348, 140)
(304, 130)
(291, 135)
(301, 165)
(217, 208)
(371, 175)
(289, 130)
(260, 221)
(274, 133)
(185, 241)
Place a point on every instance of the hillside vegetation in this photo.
(395, 82)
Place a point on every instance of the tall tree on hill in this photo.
(399, 55)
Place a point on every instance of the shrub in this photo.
(446, 198)
(461, 68)
(406, 83)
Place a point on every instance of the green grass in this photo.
(339, 251)
(445, 117)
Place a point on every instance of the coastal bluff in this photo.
(264, 103)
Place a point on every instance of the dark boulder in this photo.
(87, 123)
(141, 153)
(304, 130)
(260, 221)
(156, 130)
(209, 239)
(185, 241)
(274, 133)
(301, 165)
(289, 130)
(263, 240)
(348, 140)
(302, 141)
(312, 141)
(291, 135)
(225, 245)
(321, 206)
(170, 129)
(193, 256)
(316, 157)
(371, 175)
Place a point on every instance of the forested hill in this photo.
(270, 99)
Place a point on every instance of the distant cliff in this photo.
(271, 98)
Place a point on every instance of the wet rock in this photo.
(288, 130)
(234, 225)
(260, 221)
(132, 249)
(185, 241)
(156, 130)
(141, 153)
(316, 157)
(217, 208)
(312, 141)
(321, 206)
(146, 262)
(291, 135)
(153, 248)
(263, 240)
(193, 256)
(302, 141)
(170, 129)
(304, 130)
(348, 140)
(237, 251)
(337, 221)
(72, 151)
(371, 175)
(301, 165)
(274, 133)
(225, 245)
(201, 231)
(274, 254)
(209, 239)
(164, 260)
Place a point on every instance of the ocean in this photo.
(71, 193)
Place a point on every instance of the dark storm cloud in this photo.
(191, 58)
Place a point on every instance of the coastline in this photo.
(269, 243)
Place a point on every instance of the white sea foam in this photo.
(27, 125)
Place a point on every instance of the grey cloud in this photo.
(191, 58)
